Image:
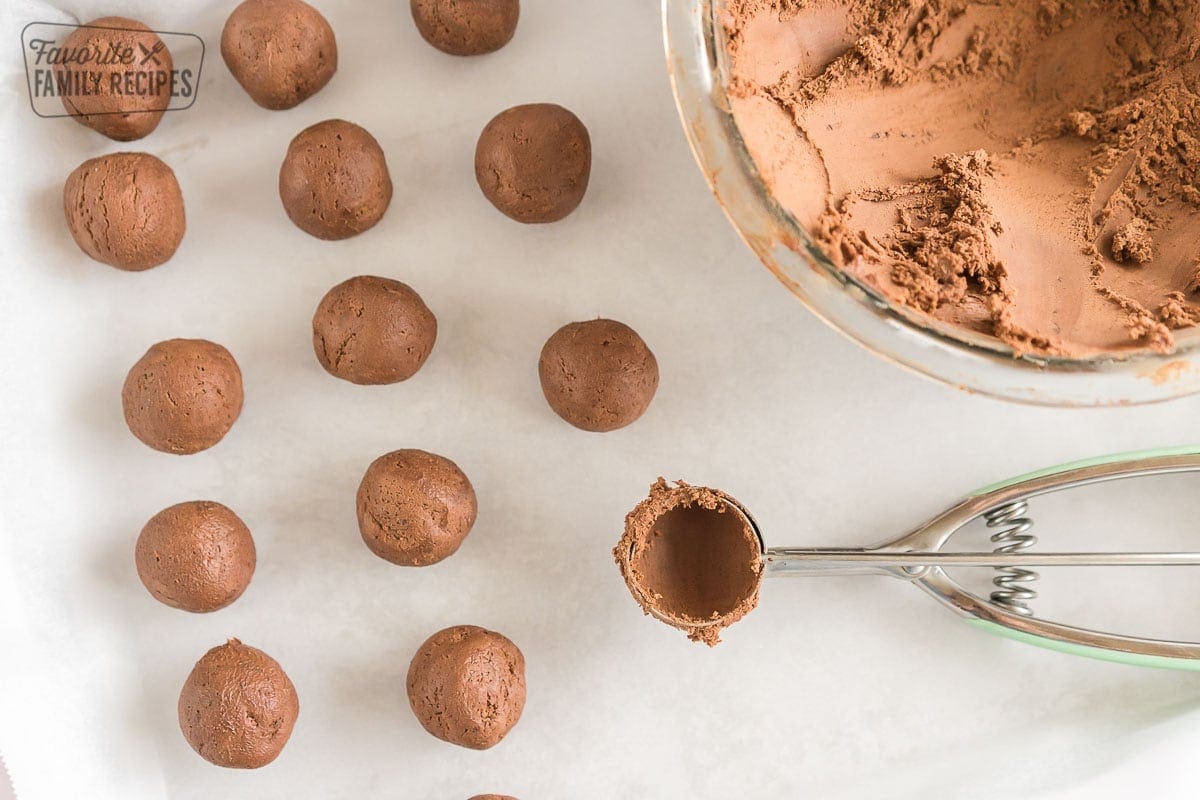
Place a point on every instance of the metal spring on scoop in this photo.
(1012, 591)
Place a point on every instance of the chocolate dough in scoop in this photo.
(691, 558)
(1023, 169)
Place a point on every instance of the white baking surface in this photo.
(854, 688)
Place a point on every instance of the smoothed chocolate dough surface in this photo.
(282, 52)
(598, 375)
(533, 162)
(691, 559)
(467, 686)
(197, 556)
(370, 330)
(1025, 170)
(119, 114)
(125, 210)
(183, 395)
(238, 707)
(466, 27)
(334, 182)
(415, 508)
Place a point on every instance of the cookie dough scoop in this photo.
(694, 558)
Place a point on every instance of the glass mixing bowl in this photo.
(698, 64)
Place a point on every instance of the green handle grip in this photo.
(1098, 653)
(1162, 452)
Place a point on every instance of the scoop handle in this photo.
(1136, 653)
(803, 561)
(1131, 462)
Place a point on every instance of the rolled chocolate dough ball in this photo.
(125, 210)
(598, 375)
(466, 27)
(532, 162)
(467, 686)
(197, 556)
(238, 707)
(415, 508)
(282, 52)
(370, 330)
(183, 395)
(334, 181)
(129, 95)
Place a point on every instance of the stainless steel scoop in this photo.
(918, 557)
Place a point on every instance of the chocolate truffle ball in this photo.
(197, 556)
(415, 508)
(125, 210)
(466, 27)
(533, 162)
(598, 375)
(183, 396)
(467, 686)
(370, 330)
(282, 52)
(334, 181)
(131, 94)
(238, 707)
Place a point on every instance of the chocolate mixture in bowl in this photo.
(1027, 170)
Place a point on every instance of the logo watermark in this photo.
(66, 65)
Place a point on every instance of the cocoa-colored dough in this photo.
(238, 707)
(533, 162)
(370, 330)
(334, 181)
(197, 556)
(466, 27)
(126, 114)
(691, 558)
(125, 210)
(183, 395)
(467, 686)
(415, 508)
(598, 375)
(984, 165)
(282, 52)
(1133, 242)
(492, 797)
